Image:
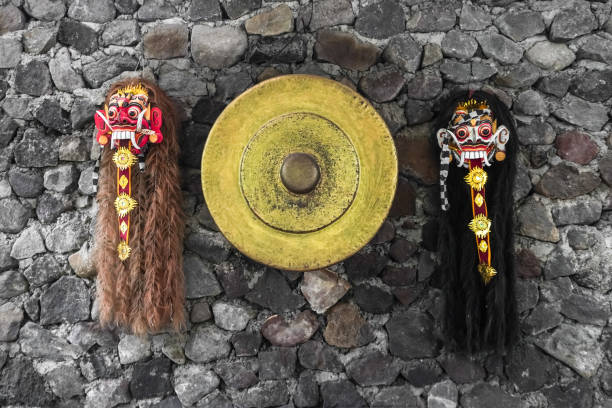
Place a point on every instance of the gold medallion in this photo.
(476, 178)
(123, 181)
(486, 272)
(483, 246)
(123, 250)
(299, 172)
(124, 158)
(480, 225)
(124, 204)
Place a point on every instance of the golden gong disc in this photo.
(299, 172)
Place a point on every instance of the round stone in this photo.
(300, 173)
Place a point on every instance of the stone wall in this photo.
(380, 345)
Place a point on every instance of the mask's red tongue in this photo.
(474, 163)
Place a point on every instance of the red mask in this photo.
(129, 117)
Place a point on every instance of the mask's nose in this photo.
(123, 118)
(473, 134)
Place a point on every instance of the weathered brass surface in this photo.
(299, 172)
(261, 177)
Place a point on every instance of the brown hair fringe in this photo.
(146, 292)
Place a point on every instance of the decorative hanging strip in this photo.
(124, 159)
(480, 224)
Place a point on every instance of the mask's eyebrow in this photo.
(459, 118)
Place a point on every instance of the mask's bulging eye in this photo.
(484, 130)
(133, 112)
(112, 112)
(462, 132)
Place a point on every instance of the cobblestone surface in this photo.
(379, 345)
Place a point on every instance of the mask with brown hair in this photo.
(140, 224)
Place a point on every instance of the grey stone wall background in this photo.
(380, 346)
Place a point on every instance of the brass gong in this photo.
(299, 172)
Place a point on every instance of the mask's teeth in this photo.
(140, 116)
(486, 159)
(133, 138)
(462, 159)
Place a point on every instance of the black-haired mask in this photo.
(473, 138)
